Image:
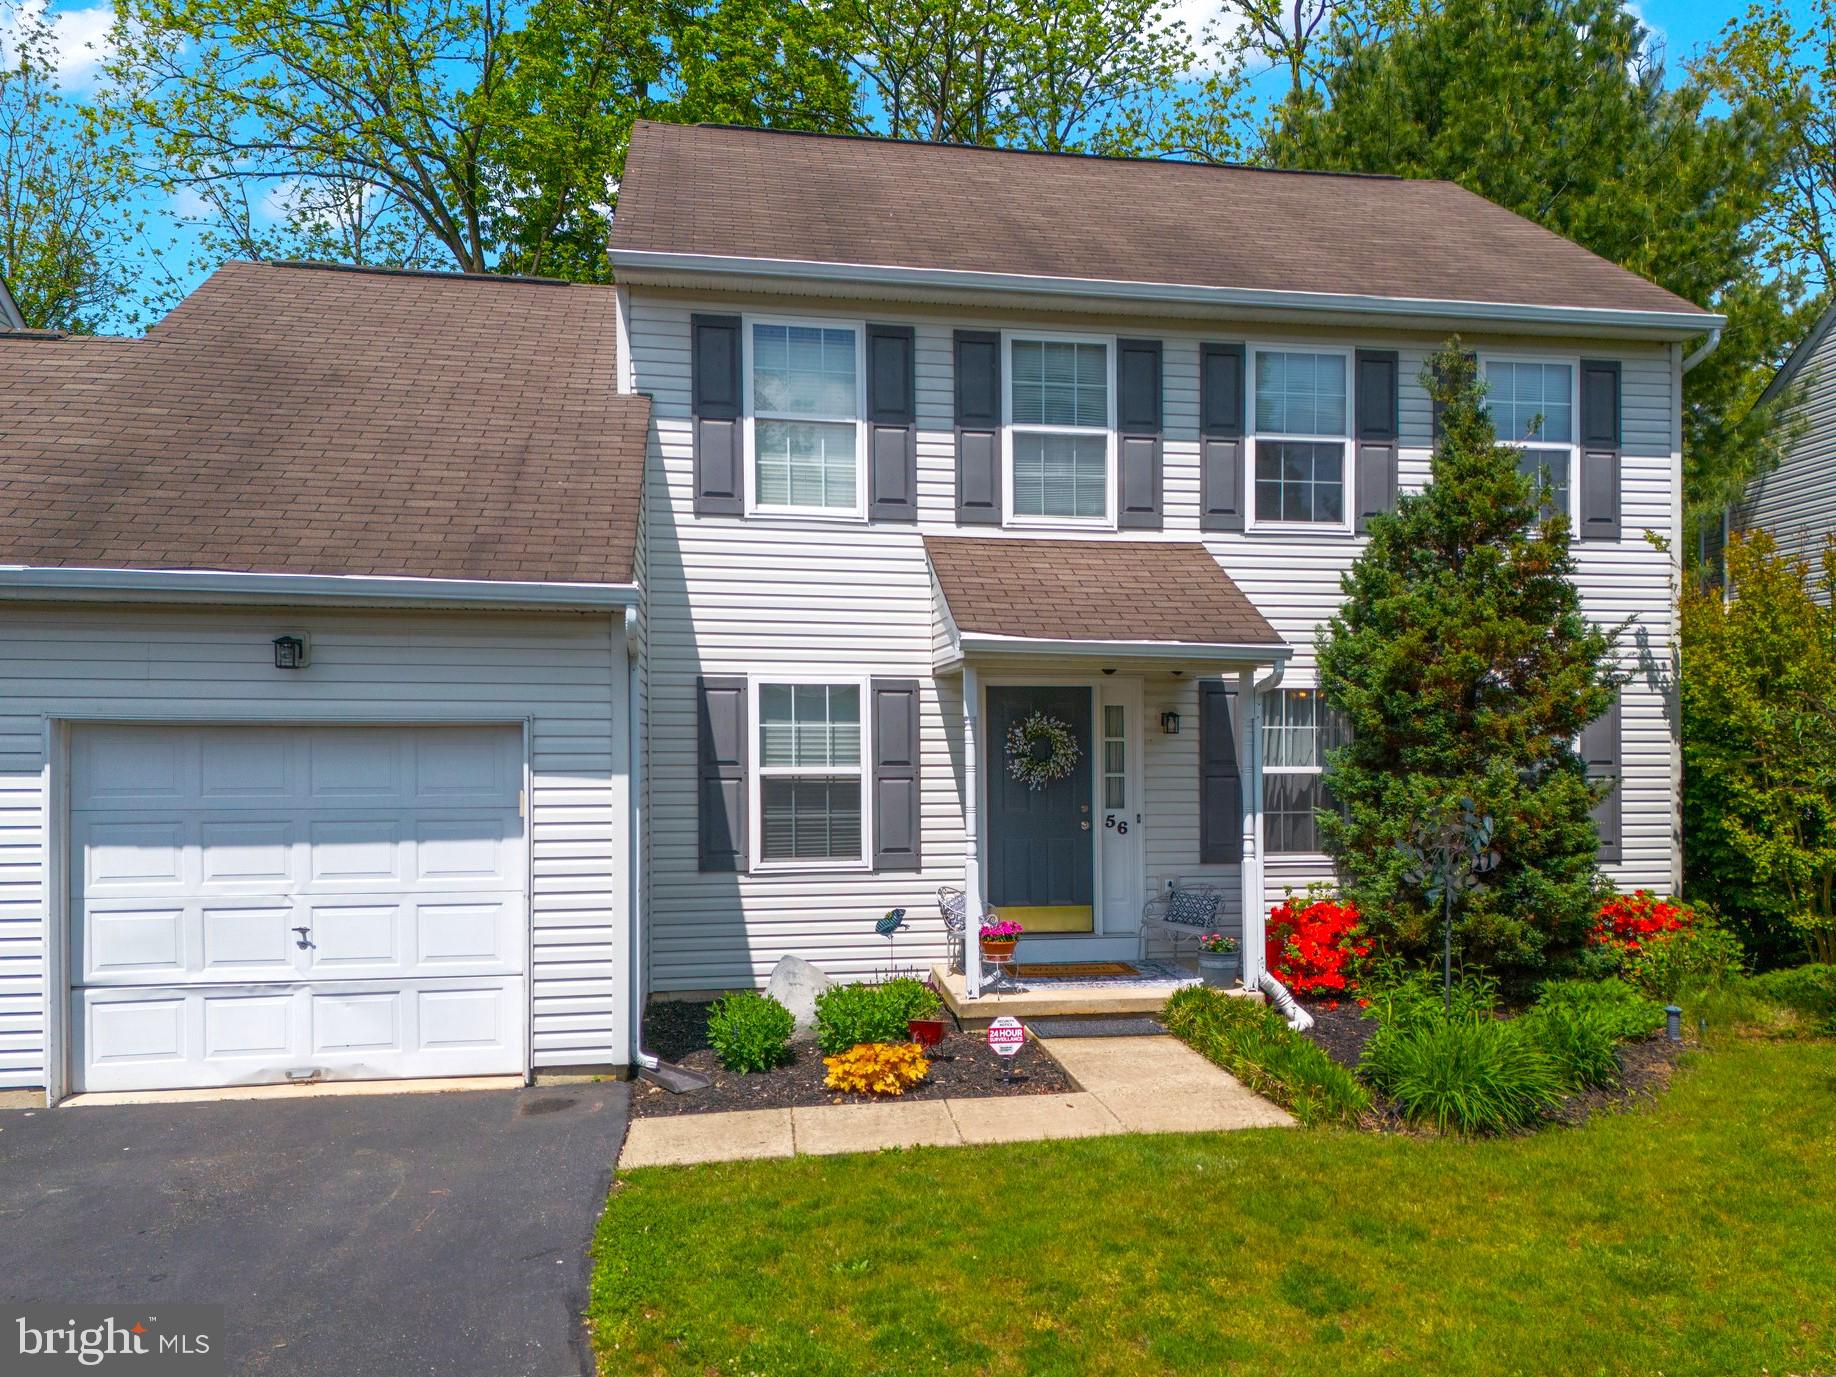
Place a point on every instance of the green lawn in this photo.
(1695, 1235)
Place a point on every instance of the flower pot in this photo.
(999, 951)
(1219, 969)
(926, 1032)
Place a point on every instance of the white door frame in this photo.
(56, 941)
(1072, 946)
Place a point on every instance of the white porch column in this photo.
(972, 829)
(1249, 758)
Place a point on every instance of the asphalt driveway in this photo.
(388, 1234)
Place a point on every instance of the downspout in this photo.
(1708, 347)
(640, 1059)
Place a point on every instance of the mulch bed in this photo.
(962, 1067)
(1646, 1067)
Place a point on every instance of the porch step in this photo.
(1120, 998)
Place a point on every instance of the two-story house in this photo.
(403, 674)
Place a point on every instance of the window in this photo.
(810, 773)
(1058, 413)
(1297, 731)
(806, 408)
(1115, 759)
(1533, 405)
(1302, 408)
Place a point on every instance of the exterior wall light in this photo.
(291, 652)
(1169, 723)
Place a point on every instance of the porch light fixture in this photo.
(291, 652)
(1169, 723)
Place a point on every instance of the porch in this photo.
(1111, 751)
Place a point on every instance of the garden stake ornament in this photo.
(1447, 857)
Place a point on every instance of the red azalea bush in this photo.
(1311, 942)
(1628, 922)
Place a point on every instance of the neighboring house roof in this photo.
(1133, 591)
(10, 319)
(298, 420)
(729, 196)
(1793, 366)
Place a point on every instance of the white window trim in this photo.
(753, 508)
(1106, 522)
(1573, 445)
(1347, 478)
(755, 785)
(1268, 769)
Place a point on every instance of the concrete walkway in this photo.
(1130, 1085)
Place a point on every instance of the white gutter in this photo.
(210, 585)
(1588, 318)
(1707, 348)
(983, 642)
(635, 832)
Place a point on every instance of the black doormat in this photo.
(1138, 1026)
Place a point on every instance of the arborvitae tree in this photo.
(1464, 667)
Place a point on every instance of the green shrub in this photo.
(1627, 1012)
(750, 1031)
(1579, 1040)
(1806, 990)
(848, 1015)
(1470, 1073)
(1253, 1042)
(1704, 957)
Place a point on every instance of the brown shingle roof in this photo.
(778, 195)
(294, 419)
(1093, 590)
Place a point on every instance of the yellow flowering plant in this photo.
(877, 1068)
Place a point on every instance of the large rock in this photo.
(795, 983)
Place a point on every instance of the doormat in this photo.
(1093, 1027)
(1075, 970)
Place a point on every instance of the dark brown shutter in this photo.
(892, 423)
(978, 427)
(1220, 779)
(1138, 434)
(1375, 433)
(1600, 449)
(898, 821)
(716, 389)
(1221, 478)
(1600, 753)
(721, 732)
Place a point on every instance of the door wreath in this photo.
(1041, 750)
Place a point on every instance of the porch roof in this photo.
(1146, 598)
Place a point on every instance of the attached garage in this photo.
(268, 903)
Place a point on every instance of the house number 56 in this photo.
(1109, 820)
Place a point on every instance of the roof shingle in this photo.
(728, 192)
(1093, 590)
(294, 419)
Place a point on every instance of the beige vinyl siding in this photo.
(731, 595)
(564, 675)
(1796, 502)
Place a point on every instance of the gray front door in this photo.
(1039, 840)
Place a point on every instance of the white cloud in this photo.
(79, 34)
(1209, 25)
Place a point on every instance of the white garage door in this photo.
(253, 904)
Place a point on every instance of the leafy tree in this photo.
(1464, 668)
(66, 225)
(1082, 75)
(459, 133)
(1557, 109)
(1791, 67)
(1759, 749)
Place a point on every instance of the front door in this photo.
(1041, 841)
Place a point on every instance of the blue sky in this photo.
(1684, 28)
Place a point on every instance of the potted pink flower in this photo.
(998, 939)
(1219, 960)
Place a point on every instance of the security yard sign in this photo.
(1006, 1036)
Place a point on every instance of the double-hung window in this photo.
(1059, 439)
(1302, 409)
(1297, 731)
(811, 783)
(1533, 407)
(805, 390)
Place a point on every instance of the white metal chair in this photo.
(1195, 896)
(954, 905)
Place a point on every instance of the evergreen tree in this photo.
(1463, 667)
